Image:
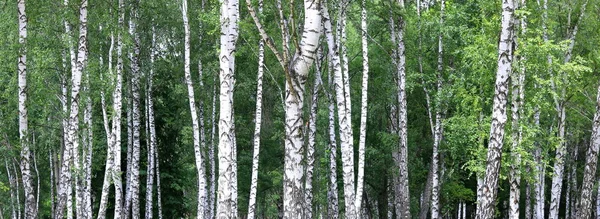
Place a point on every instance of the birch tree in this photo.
(195, 125)
(296, 73)
(363, 110)
(257, 124)
(152, 131)
(485, 209)
(30, 206)
(584, 207)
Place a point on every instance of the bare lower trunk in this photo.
(312, 132)
(332, 191)
(226, 198)
(195, 122)
(437, 131)
(585, 202)
(12, 187)
(110, 149)
(402, 198)
(30, 204)
(257, 124)
(116, 126)
(211, 154)
(363, 111)
(158, 191)
(540, 176)
(486, 208)
(152, 134)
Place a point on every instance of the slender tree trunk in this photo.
(584, 208)
(158, 190)
(229, 32)
(12, 188)
(211, 153)
(490, 183)
(110, 149)
(332, 191)
(86, 211)
(573, 182)
(134, 174)
(72, 144)
(116, 126)
(343, 116)
(257, 124)
(312, 132)
(17, 188)
(540, 176)
(52, 203)
(129, 114)
(401, 188)
(363, 110)
(152, 131)
(30, 206)
(437, 132)
(196, 128)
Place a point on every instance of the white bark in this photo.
(134, 183)
(158, 191)
(332, 191)
(584, 208)
(12, 187)
(312, 132)
(211, 154)
(363, 110)
(110, 149)
(195, 126)
(346, 142)
(72, 144)
(402, 198)
(540, 176)
(257, 124)
(116, 126)
(30, 206)
(297, 73)
(557, 177)
(486, 208)
(52, 200)
(86, 211)
(437, 131)
(152, 133)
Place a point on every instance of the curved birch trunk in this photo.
(30, 206)
(363, 111)
(486, 208)
(437, 131)
(152, 133)
(195, 126)
(257, 124)
(109, 154)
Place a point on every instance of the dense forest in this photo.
(299, 109)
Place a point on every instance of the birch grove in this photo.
(104, 117)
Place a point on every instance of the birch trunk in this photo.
(116, 126)
(202, 182)
(401, 192)
(12, 188)
(52, 203)
(540, 176)
(257, 124)
(134, 183)
(72, 144)
(195, 126)
(347, 150)
(227, 159)
(158, 191)
(211, 154)
(312, 132)
(573, 182)
(86, 211)
(363, 110)
(437, 132)
(110, 149)
(557, 178)
(294, 100)
(490, 184)
(332, 191)
(584, 208)
(152, 132)
(30, 206)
